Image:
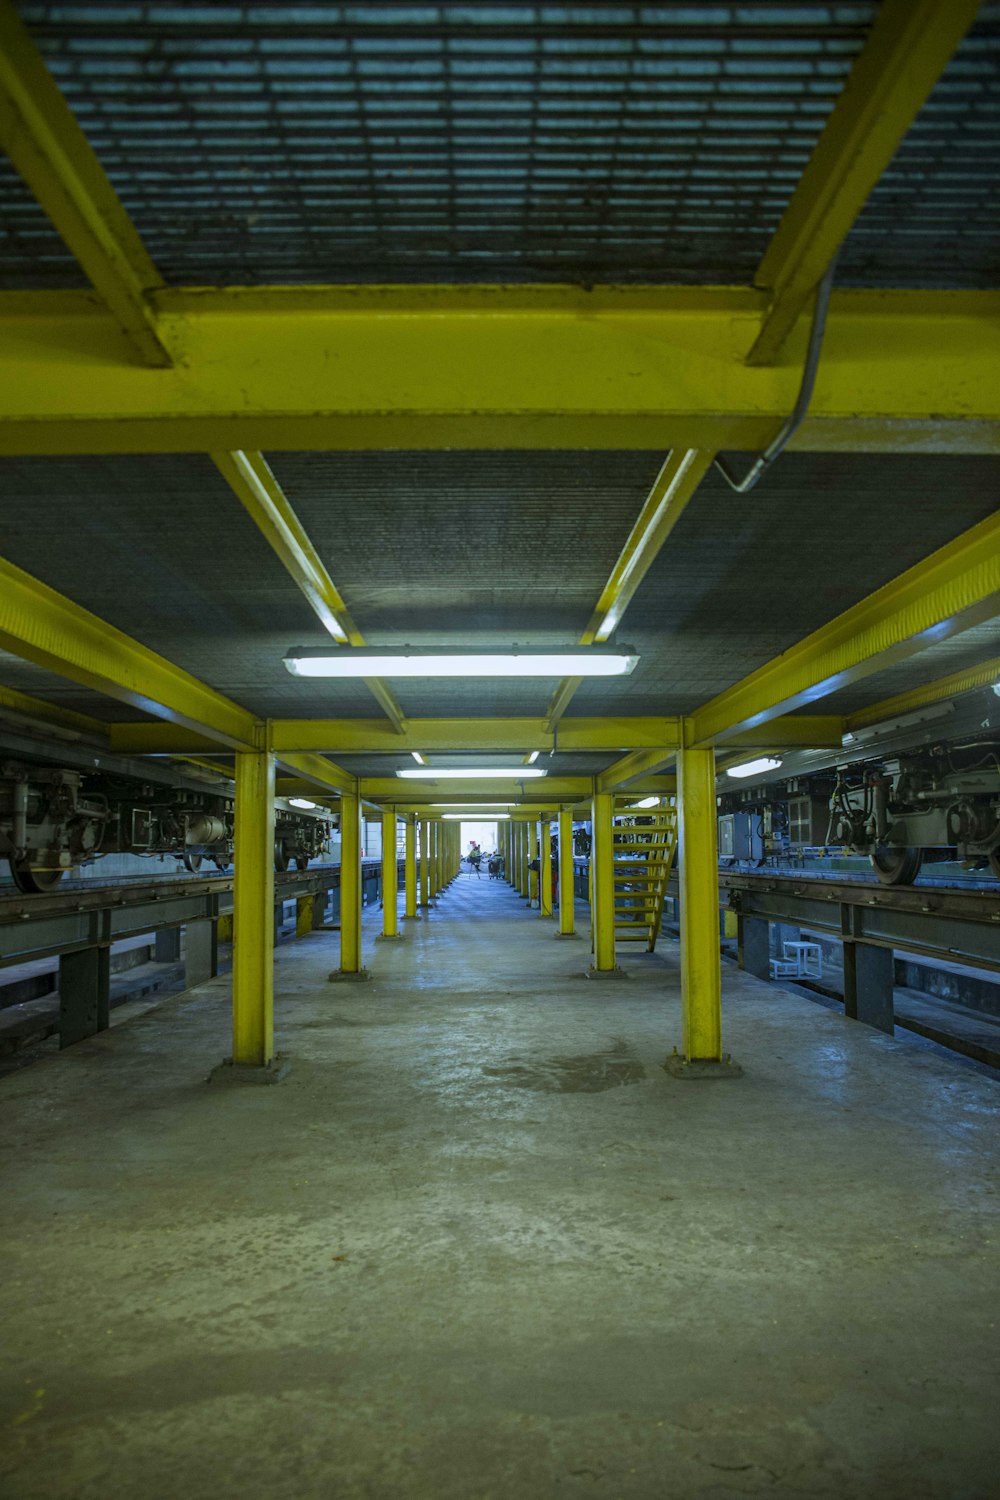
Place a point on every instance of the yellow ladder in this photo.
(644, 857)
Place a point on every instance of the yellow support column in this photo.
(602, 864)
(350, 889)
(532, 856)
(410, 880)
(524, 885)
(701, 970)
(545, 873)
(303, 916)
(567, 927)
(434, 851)
(425, 867)
(390, 877)
(253, 1057)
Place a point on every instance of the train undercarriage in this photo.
(936, 804)
(53, 819)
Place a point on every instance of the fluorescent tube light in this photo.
(533, 757)
(589, 662)
(301, 802)
(646, 802)
(418, 757)
(753, 767)
(474, 806)
(479, 773)
(475, 817)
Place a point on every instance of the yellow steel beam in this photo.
(552, 790)
(907, 49)
(369, 736)
(680, 475)
(967, 680)
(371, 367)
(955, 588)
(51, 715)
(634, 767)
(50, 151)
(252, 482)
(43, 627)
(792, 731)
(317, 770)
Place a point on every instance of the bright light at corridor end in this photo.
(472, 817)
(753, 767)
(591, 662)
(468, 773)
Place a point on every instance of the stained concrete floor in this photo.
(479, 1245)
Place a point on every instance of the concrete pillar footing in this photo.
(574, 935)
(615, 973)
(345, 976)
(390, 937)
(229, 1073)
(415, 918)
(702, 1067)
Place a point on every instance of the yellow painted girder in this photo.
(431, 736)
(680, 475)
(909, 44)
(250, 478)
(318, 771)
(50, 151)
(790, 732)
(955, 588)
(26, 706)
(952, 686)
(44, 627)
(370, 367)
(633, 767)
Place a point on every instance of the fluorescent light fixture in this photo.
(996, 688)
(475, 817)
(301, 802)
(592, 661)
(475, 806)
(533, 757)
(469, 773)
(418, 757)
(754, 767)
(646, 802)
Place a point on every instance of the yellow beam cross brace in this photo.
(675, 484)
(50, 151)
(907, 49)
(43, 627)
(955, 588)
(967, 680)
(265, 502)
(20, 705)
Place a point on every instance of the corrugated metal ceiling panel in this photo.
(400, 142)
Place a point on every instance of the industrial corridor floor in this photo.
(479, 1244)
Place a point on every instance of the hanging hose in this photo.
(764, 461)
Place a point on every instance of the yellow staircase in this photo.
(644, 857)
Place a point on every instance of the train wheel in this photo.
(895, 866)
(191, 862)
(281, 855)
(34, 880)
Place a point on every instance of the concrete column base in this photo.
(702, 1067)
(343, 976)
(574, 935)
(415, 918)
(390, 937)
(229, 1073)
(615, 973)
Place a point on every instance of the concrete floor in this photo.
(478, 1244)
